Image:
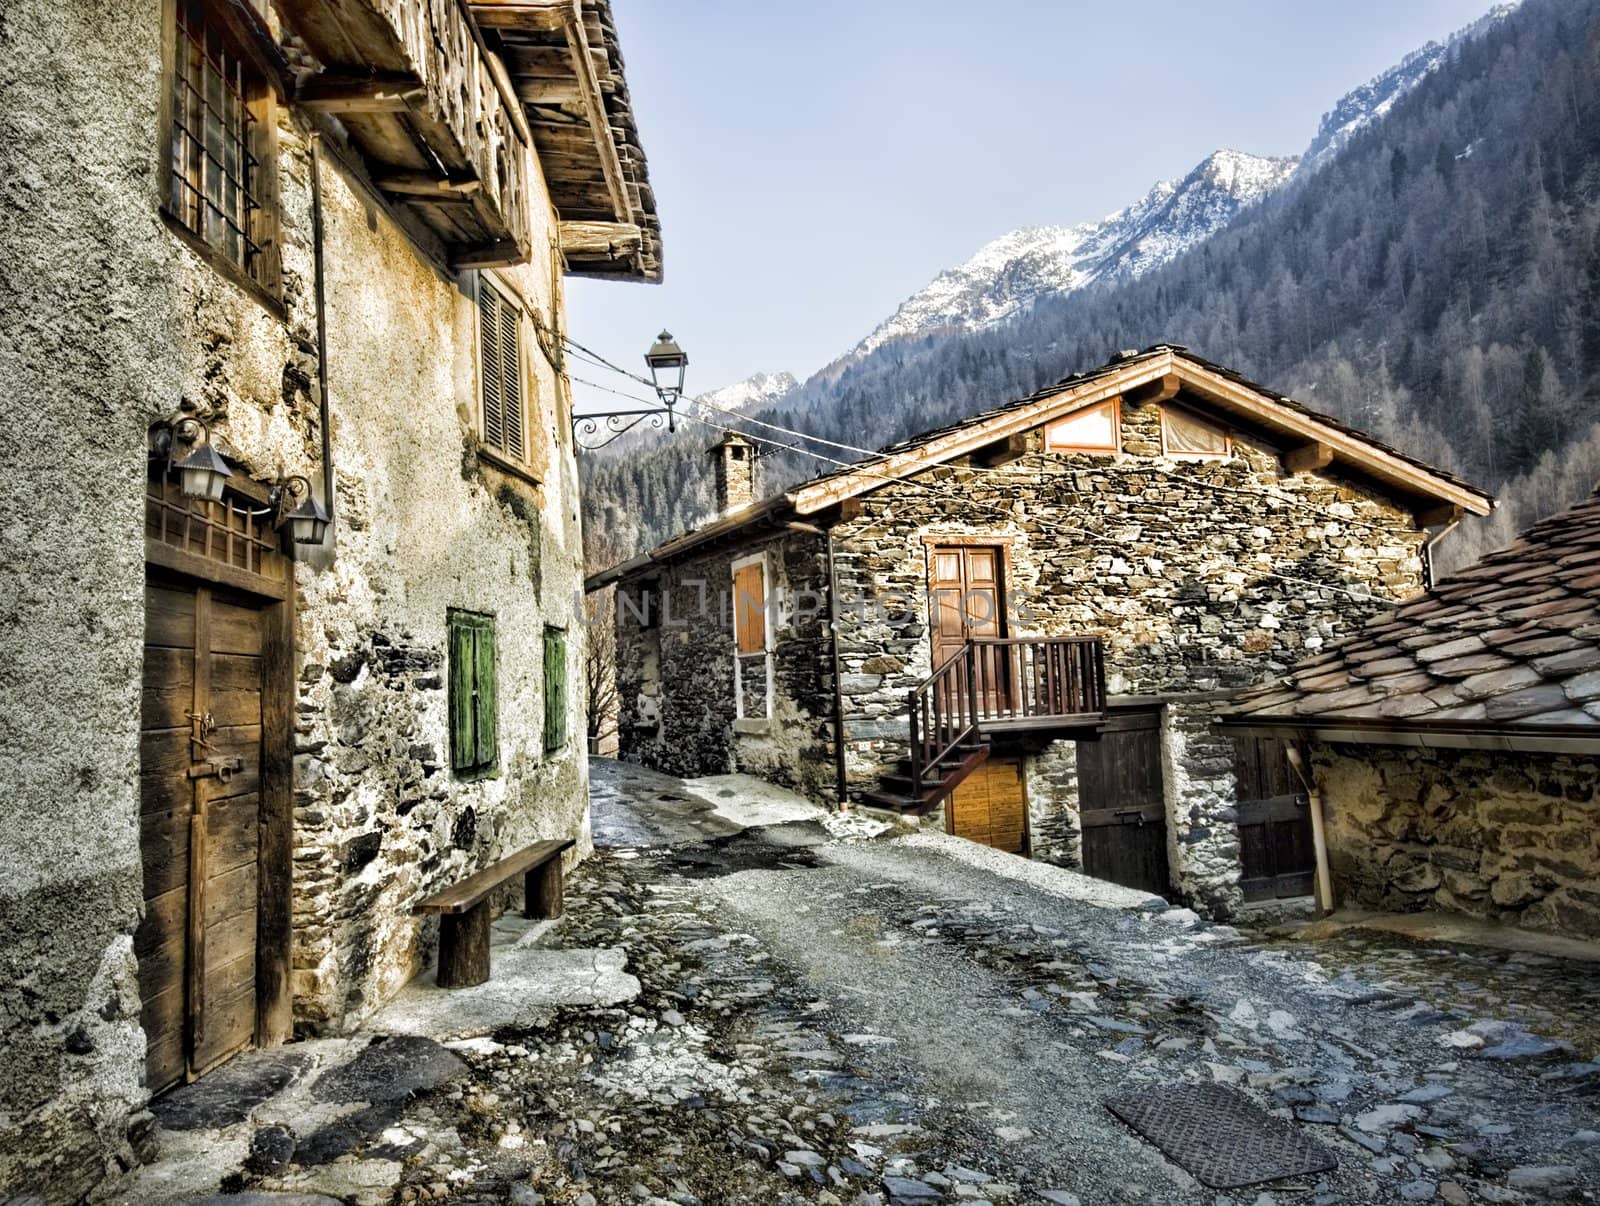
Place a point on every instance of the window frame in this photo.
(1204, 421)
(1112, 449)
(506, 301)
(556, 717)
(465, 674)
(244, 36)
(767, 639)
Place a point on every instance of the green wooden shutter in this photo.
(488, 723)
(463, 672)
(555, 689)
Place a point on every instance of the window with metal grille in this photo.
(474, 714)
(555, 689)
(219, 183)
(500, 336)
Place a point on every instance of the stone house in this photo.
(1454, 743)
(267, 262)
(1019, 627)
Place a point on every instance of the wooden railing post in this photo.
(972, 687)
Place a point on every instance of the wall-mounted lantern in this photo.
(308, 521)
(202, 473)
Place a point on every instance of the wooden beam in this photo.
(614, 239)
(498, 254)
(542, 90)
(1307, 457)
(428, 186)
(531, 16)
(1001, 451)
(599, 124)
(1439, 516)
(1161, 389)
(332, 93)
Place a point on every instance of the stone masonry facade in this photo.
(1200, 576)
(423, 524)
(1513, 838)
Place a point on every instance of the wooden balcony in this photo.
(1053, 686)
(433, 114)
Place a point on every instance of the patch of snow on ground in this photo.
(748, 801)
(1057, 881)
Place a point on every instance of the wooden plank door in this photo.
(200, 806)
(968, 602)
(990, 807)
(1276, 852)
(1120, 803)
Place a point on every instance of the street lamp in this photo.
(667, 363)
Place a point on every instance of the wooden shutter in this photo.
(555, 689)
(491, 366)
(463, 742)
(749, 608)
(486, 696)
(511, 379)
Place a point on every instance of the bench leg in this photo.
(464, 947)
(541, 890)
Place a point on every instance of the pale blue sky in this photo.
(816, 163)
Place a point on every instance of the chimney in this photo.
(735, 461)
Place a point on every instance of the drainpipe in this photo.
(841, 782)
(322, 337)
(1319, 833)
(1427, 551)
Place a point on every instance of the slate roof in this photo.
(1120, 361)
(764, 511)
(1511, 644)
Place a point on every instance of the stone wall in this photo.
(111, 324)
(1175, 564)
(675, 673)
(1510, 837)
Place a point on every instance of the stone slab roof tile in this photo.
(1511, 641)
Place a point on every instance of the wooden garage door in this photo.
(990, 807)
(1275, 847)
(200, 802)
(1120, 803)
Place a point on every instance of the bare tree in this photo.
(601, 551)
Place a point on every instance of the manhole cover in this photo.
(1220, 1135)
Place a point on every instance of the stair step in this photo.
(883, 799)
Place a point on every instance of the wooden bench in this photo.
(464, 909)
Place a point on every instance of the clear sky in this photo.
(816, 163)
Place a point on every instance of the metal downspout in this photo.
(320, 285)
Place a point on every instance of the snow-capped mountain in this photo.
(1015, 270)
(1360, 107)
(760, 389)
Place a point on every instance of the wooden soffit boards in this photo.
(565, 67)
(1149, 378)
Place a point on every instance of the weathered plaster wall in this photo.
(1511, 837)
(111, 324)
(675, 674)
(88, 289)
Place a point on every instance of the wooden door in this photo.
(968, 602)
(990, 807)
(1275, 849)
(1120, 803)
(200, 806)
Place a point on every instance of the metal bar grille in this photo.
(216, 175)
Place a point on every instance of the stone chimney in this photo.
(734, 458)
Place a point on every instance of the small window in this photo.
(752, 638)
(1091, 430)
(555, 689)
(219, 146)
(1185, 434)
(500, 366)
(474, 707)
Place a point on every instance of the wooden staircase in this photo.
(989, 687)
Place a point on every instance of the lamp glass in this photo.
(667, 363)
(308, 523)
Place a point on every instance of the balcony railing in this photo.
(998, 684)
(399, 73)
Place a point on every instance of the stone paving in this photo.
(881, 1021)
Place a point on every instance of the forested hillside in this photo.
(1436, 282)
